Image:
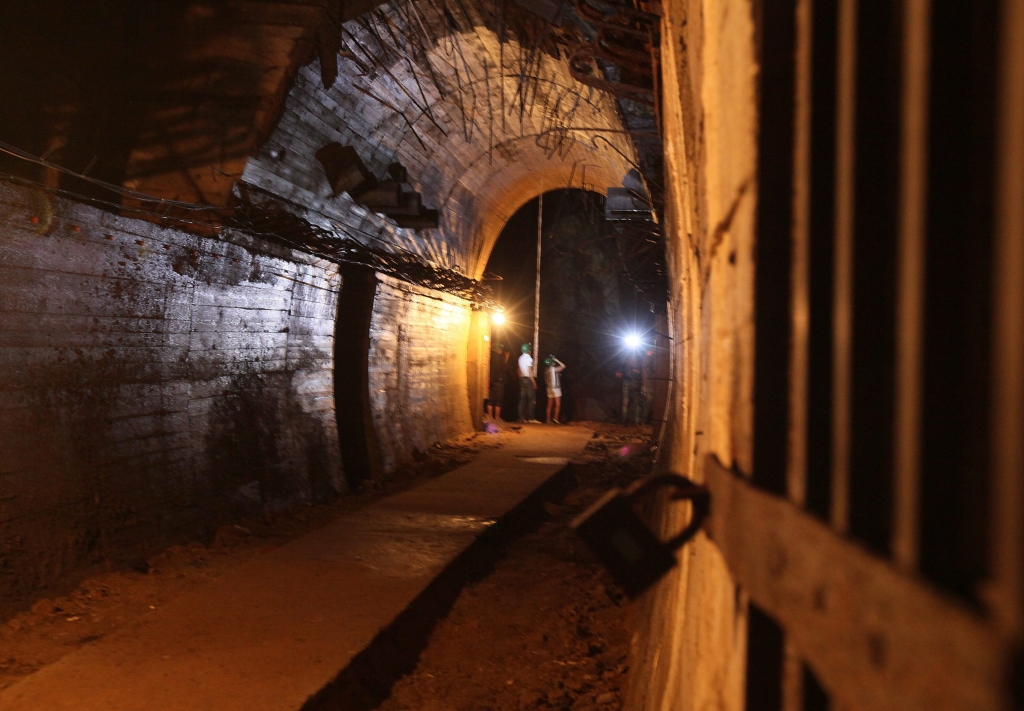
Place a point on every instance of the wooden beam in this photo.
(877, 638)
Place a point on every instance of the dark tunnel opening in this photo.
(601, 284)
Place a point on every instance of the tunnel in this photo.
(260, 257)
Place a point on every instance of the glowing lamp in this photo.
(631, 340)
(498, 318)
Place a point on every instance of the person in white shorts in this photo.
(555, 368)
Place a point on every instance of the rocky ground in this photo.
(548, 629)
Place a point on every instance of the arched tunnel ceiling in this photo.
(214, 102)
(481, 125)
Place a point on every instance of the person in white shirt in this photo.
(527, 386)
(555, 368)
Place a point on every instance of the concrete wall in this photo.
(417, 369)
(835, 593)
(151, 382)
(154, 379)
(691, 653)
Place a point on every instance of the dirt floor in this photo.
(101, 604)
(547, 629)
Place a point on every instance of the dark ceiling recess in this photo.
(393, 197)
(627, 39)
(345, 170)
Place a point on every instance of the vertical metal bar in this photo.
(846, 89)
(536, 292)
(470, 81)
(910, 281)
(1007, 554)
(796, 468)
(389, 25)
(490, 113)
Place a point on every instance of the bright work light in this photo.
(631, 340)
(498, 318)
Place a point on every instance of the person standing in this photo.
(527, 386)
(632, 375)
(496, 394)
(555, 368)
(647, 371)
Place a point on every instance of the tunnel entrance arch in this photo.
(601, 281)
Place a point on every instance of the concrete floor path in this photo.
(273, 632)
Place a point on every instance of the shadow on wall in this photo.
(152, 385)
(70, 413)
(105, 486)
(113, 489)
(171, 93)
(253, 427)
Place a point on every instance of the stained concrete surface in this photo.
(152, 384)
(273, 632)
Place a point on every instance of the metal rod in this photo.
(388, 25)
(536, 294)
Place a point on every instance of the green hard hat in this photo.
(548, 361)
(525, 348)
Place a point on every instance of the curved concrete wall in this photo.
(151, 383)
(417, 369)
(691, 652)
(156, 378)
(468, 148)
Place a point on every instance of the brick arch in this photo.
(525, 187)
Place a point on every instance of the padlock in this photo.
(634, 556)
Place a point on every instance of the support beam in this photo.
(359, 453)
(910, 283)
(876, 638)
(846, 89)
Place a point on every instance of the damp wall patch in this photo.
(152, 384)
